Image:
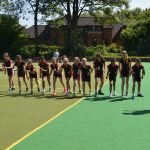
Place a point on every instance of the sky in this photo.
(133, 4)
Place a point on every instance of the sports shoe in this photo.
(43, 92)
(110, 95)
(27, 89)
(115, 94)
(133, 97)
(90, 93)
(54, 94)
(126, 94)
(79, 91)
(13, 88)
(38, 89)
(100, 92)
(140, 95)
(95, 94)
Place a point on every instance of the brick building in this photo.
(94, 33)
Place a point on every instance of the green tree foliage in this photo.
(136, 37)
(11, 35)
(73, 9)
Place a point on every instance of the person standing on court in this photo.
(124, 70)
(56, 55)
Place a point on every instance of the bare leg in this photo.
(24, 80)
(79, 85)
(19, 84)
(89, 84)
(114, 86)
(139, 87)
(110, 82)
(31, 84)
(122, 86)
(83, 88)
(96, 84)
(102, 83)
(74, 86)
(54, 84)
(133, 87)
(62, 83)
(127, 85)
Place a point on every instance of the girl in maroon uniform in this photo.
(21, 71)
(124, 69)
(99, 67)
(56, 74)
(76, 74)
(8, 67)
(44, 73)
(112, 73)
(68, 73)
(86, 71)
(136, 73)
(32, 74)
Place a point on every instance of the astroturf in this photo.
(98, 124)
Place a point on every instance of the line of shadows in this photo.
(103, 98)
(40, 96)
(137, 112)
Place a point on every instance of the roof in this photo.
(117, 28)
(85, 21)
(44, 30)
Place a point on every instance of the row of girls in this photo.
(79, 69)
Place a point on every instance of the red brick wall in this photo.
(107, 35)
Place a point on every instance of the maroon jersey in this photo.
(100, 64)
(76, 69)
(8, 64)
(125, 70)
(67, 69)
(21, 69)
(113, 70)
(32, 73)
(86, 73)
(136, 71)
(55, 68)
(44, 65)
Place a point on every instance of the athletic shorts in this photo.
(45, 74)
(86, 79)
(21, 74)
(99, 74)
(136, 78)
(76, 77)
(125, 74)
(33, 75)
(10, 73)
(112, 78)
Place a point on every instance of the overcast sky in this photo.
(134, 3)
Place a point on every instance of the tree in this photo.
(136, 36)
(12, 36)
(28, 6)
(73, 9)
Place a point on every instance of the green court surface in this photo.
(98, 124)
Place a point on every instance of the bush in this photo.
(112, 51)
(44, 50)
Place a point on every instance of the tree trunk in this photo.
(36, 34)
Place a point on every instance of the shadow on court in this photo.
(113, 99)
(138, 112)
(40, 96)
